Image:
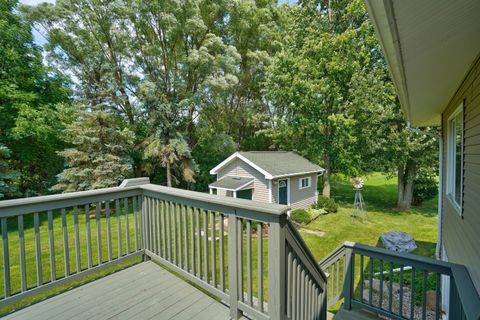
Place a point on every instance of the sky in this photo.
(37, 37)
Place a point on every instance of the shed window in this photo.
(455, 158)
(305, 183)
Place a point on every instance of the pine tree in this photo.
(99, 158)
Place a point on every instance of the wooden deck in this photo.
(143, 291)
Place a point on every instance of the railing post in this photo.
(233, 267)
(277, 288)
(348, 278)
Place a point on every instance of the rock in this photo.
(398, 241)
(431, 299)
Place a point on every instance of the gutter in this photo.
(438, 248)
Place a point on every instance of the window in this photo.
(214, 191)
(304, 183)
(455, 158)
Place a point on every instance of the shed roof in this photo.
(231, 183)
(273, 164)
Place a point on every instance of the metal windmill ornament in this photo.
(358, 204)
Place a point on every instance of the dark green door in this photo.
(283, 191)
(245, 194)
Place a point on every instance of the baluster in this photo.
(21, 244)
(155, 237)
(298, 289)
(99, 232)
(135, 221)
(66, 254)
(332, 282)
(412, 295)
(199, 244)
(6, 263)
(88, 235)
(148, 223)
(141, 200)
(214, 250)
(222, 254)
(338, 278)
(53, 275)
(361, 278)
(302, 294)
(289, 281)
(438, 311)
(77, 239)
(370, 279)
(390, 288)
(205, 245)
(38, 250)
(164, 224)
(249, 263)
(233, 279)
(400, 304)
(169, 230)
(424, 295)
(119, 228)
(185, 234)
(380, 301)
(180, 233)
(175, 249)
(294, 287)
(109, 235)
(159, 227)
(260, 265)
(240, 260)
(127, 227)
(192, 236)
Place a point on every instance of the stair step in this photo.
(353, 314)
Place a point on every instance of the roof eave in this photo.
(383, 18)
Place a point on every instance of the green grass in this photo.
(380, 199)
(380, 195)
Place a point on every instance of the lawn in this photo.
(379, 194)
(380, 198)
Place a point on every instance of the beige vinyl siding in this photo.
(461, 235)
(241, 169)
(299, 198)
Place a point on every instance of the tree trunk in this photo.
(406, 176)
(326, 176)
(169, 176)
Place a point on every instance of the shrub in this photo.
(327, 204)
(301, 216)
(424, 186)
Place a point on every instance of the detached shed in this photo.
(268, 176)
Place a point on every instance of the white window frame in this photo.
(451, 159)
(309, 184)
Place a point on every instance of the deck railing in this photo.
(396, 285)
(224, 245)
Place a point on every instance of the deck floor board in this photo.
(143, 291)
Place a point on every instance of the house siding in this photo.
(241, 169)
(299, 198)
(460, 234)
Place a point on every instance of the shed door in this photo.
(283, 191)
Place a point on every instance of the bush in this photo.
(424, 186)
(327, 204)
(301, 216)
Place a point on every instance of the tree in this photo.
(32, 100)
(309, 82)
(6, 173)
(99, 157)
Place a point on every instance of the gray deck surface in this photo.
(144, 291)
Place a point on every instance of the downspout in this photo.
(438, 248)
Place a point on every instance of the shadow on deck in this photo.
(143, 291)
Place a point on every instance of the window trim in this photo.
(450, 185)
(309, 179)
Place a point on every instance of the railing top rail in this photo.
(40, 203)
(467, 292)
(242, 204)
(401, 257)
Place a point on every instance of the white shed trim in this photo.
(237, 155)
